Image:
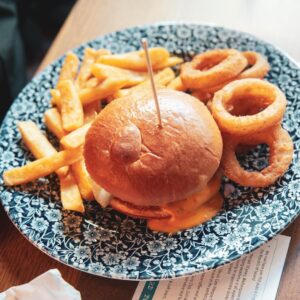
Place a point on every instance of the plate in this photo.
(106, 243)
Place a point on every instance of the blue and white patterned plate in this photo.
(106, 243)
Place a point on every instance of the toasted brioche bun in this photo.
(132, 158)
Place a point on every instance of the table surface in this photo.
(273, 20)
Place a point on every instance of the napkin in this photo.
(48, 286)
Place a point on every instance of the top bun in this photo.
(132, 158)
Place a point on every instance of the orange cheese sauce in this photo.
(189, 217)
(193, 202)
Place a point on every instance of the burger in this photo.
(166, 174)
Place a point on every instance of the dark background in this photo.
(27, 28)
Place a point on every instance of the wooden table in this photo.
(272, 20)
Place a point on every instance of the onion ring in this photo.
(281, 155)
(212, 67)
(258, 67)
(202, 96)
(244, 108)
(273, 103)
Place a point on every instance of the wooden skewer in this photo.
(150, 71)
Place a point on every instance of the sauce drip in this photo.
(188, 218)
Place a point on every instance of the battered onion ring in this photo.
(281, 155)
(202, 96)
(248, 90)
(258, 67)
(243, 108)
(212, 67)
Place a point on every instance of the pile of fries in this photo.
(77, 99)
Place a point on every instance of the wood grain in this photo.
(272, 20)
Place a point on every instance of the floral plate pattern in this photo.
(106, 243)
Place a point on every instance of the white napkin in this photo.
(48, 286)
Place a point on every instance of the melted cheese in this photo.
(193, 202)
(101, 195)
(188, 218)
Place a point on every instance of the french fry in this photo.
(35, 140)
(84, 74)
(69, 68)
(55, 100)
(69, 193)
(75, 138)
(134, 78)
(53, 122)
(169, 62)
(131, 92)
(37, 143)
(91, 111)
(41, 167)
(71, 107)
(161, 80)
(119, 94)
(101, 76)
(163, 77)
(101, 52)
(176, 84)
(83, 179)
(92, 82)
(136, 60)
(68, 72)
(102, 91)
